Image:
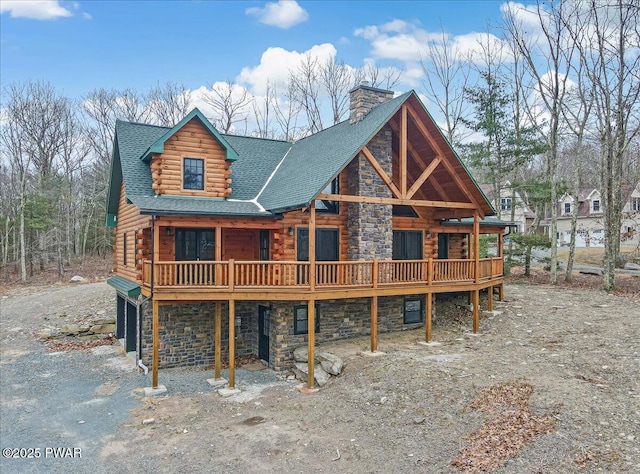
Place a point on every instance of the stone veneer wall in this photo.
(339, 319)
(187, 333)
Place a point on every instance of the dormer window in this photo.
(635, 204)
(193, 174)
(596, 205)
(567, 208)
(505, 204)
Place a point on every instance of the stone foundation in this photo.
(187, 333)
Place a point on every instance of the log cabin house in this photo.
(228, 245)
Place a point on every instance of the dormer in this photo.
(191, 159)
(595, 202)
(566, 204)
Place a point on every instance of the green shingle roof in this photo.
(269, 176)
(314, 161)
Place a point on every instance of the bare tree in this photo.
(376, 76)
(169, 103)
(230, 103)
(446, 77)
(548, 58)
(286, 111)
(306, 84)
(607, 34)
(337, 78)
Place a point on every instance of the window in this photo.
(567, 208)
(635, 204)
(124, 249)
(403, 211)
(264, 245)
(413, 311)
(505, 204)
(195, 244)
(193, 174)
(407, 245)
(330, 207)
(301, 319)
(326, 244)
(596, 205)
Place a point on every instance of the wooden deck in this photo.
(214, 280)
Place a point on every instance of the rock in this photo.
(332, 364)
(631, 266)
(76, 279)
(47, 334)
(148, 421)
(595, 271)
(73, 329)
(301, 354)
(301, 370)
(103, 328)
(321, 376)
(104, 321)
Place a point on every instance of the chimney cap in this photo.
(365, 85)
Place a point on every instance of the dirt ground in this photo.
(550, 384)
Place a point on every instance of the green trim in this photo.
(115, 181)
(158, 146)
(124, 286)
(110, 220)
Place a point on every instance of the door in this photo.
(131, 331)
(443, 245)
(195, 244)
(120, 317)
(407, 245)
(263, 330)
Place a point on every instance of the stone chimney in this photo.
(363, 98)
(369, 226)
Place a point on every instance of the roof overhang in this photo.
(124, 286)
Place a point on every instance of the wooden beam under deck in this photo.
(191, 295)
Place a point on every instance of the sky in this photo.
(80, 45)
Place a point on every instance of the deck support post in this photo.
(490, 298)
(218, 339)
(476, 247)
(312, 246)
(311, 340)
(374, 323)
(429, 309)
(232, 344)
(156, 342)
(476, 310)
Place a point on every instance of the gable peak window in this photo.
(635, 204)
(330, 207)
(193, 174)
(596, 205)
(505, 204)
(567, 208)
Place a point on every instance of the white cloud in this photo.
(34, 9)
(402, 41)
(276, 63)
(87, 16)
(283, 14)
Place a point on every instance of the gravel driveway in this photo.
(407, 411)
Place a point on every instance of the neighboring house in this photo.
(590, 220)
(507, 201)
(347, 232)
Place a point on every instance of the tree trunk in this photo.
(568, 276)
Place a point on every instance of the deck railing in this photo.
(296, 275)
